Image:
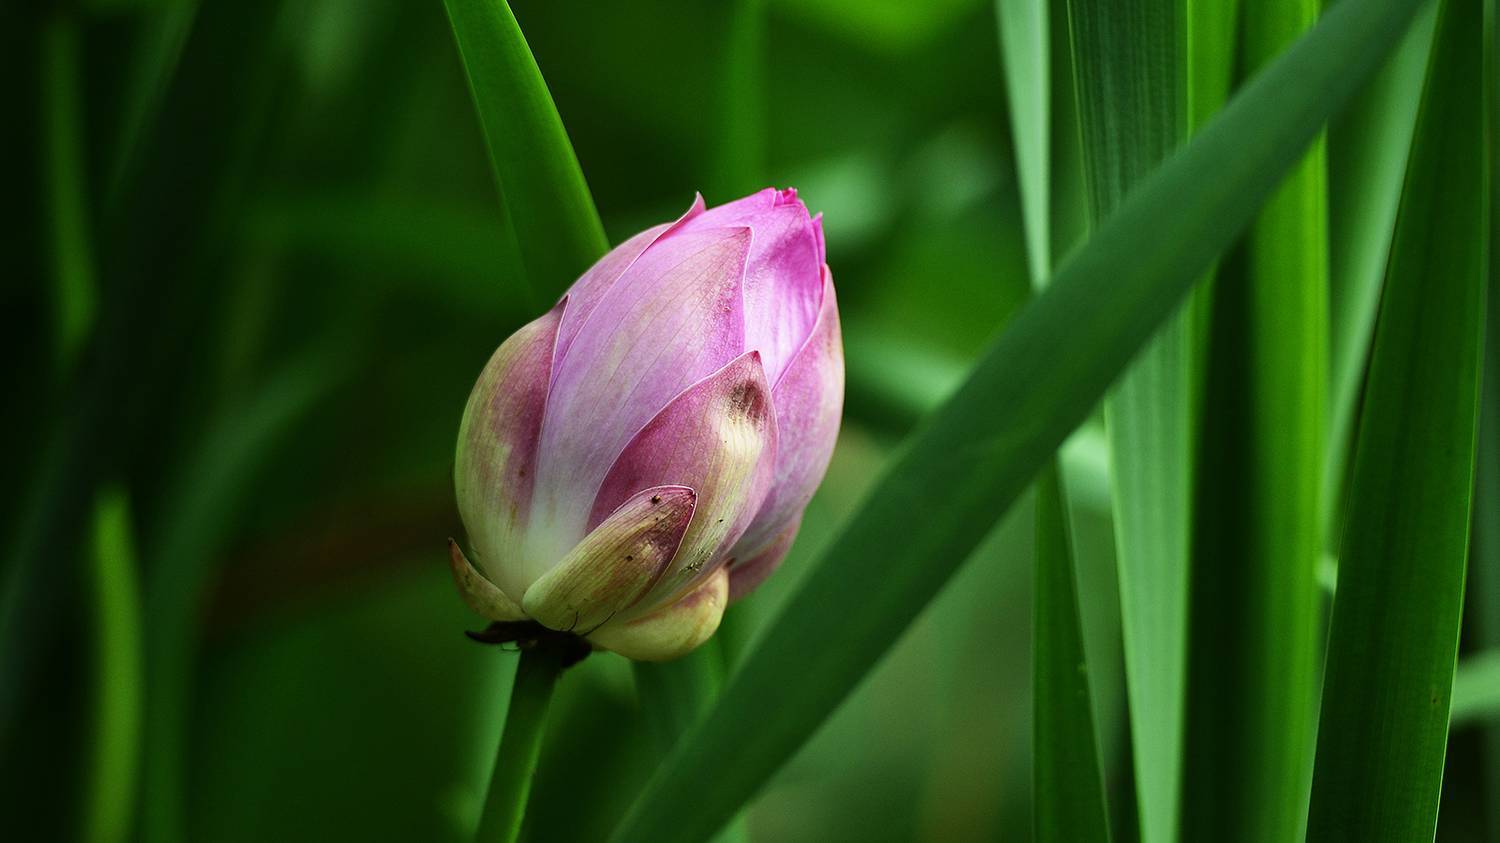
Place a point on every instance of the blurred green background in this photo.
(262, 330)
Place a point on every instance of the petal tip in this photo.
(478, 593)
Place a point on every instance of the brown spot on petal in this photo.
(746, 399)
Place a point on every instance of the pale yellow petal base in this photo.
(672, 631)
(479, 593)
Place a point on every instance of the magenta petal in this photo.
(716, 438)
(495, 466)
(809, 400)
(745, 575)
(589, 289)
(782, 283)
(674, 317)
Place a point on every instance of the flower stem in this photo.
(520, 745)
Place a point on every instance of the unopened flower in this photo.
(642, 453)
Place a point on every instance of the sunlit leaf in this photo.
(1256, 619)
(1394, 631)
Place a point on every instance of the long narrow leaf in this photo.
(67, 193)
(739, 158)
(1067, 782)
(1069, 789)
(1258, 542)
(118, 691)
(1394, 633)
(1484, 556)
(1476, 689)
(1132, 85)
(975, 455)
(1368, 148)
(154, 59)
(1025, 50)
(556, 224)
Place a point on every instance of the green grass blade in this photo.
(1131, 70)
(118, 692)
(551, 209)
(1368, 147)
(67, 194)
(1069, 787)
(1476, 689)
(154, 61)
(739, 156)
(1256, 621)
(976, 454)
(1484, 559)
(1394, 633)
(1067, 780)
(1026, 53)
(1068, 214)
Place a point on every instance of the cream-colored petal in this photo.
(480, 594)
(616, 562)
(673, 631)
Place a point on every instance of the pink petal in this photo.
(782, 283)
(672, 318)
(809, 401)
(745, 575)
(495, 466)
(716, 438)
(589, 289)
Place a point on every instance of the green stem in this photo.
(520, 744)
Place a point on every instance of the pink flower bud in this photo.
(642, 453)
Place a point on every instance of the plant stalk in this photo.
(520, 744)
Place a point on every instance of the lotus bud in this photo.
(641, 454)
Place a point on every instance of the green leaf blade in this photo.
(1368, 148)
(1256, 623)
(1394, 632)
(1132, 82)
(1025, 50)
(541, 184)
(1068, 785)
(1476, 689)
(978, 452)
(118, 691)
